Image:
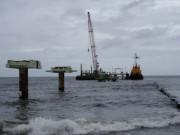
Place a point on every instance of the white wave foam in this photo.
(42, 126)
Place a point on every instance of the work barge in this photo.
(100, 76)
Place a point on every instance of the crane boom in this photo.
(92, 43)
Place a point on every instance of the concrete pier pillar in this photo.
(23, 67)
(61, 71)
(23, 83)
(61, 81)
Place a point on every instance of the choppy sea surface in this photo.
(124, 107)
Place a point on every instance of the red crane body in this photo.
(92, 43)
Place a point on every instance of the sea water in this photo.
(124, 107)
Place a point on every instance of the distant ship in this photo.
(135, 72)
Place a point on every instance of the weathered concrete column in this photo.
(23, 83)
(23, 74)
(61, 81)
(61, 71)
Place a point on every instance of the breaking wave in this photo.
(43, 126)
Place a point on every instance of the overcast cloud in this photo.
(55, 32)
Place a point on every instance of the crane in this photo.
(92, 43)
(135, 62)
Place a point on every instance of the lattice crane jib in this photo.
(92, 43)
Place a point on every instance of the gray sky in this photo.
(55, 32)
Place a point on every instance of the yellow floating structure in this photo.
(136, 71)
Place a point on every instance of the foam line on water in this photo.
(43, 126)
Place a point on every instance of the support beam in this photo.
(91, 69)
(23, 83)
(61, 81)
(81, 69)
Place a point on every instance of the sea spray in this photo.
(43, 126)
